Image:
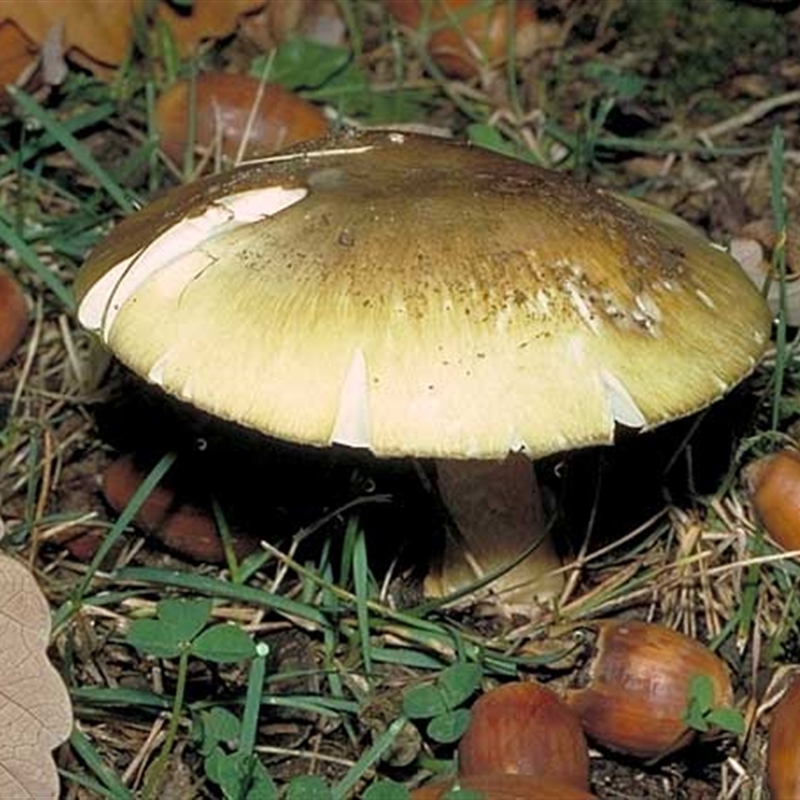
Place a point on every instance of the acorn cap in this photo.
(416, 296)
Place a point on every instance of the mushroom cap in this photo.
(416, 296)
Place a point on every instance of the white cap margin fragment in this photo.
(105, 299)
(351, 426)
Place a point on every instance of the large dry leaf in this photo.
(98, 33)
(466, 36)
(35, 711)
(17, 51)
(278, 20)
(97, 28)
(210, 19)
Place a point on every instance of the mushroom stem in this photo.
(497, 509)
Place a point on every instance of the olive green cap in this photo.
(416, 296)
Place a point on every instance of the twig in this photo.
(750, 115)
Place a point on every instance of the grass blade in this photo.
(361, 581)
(125, 518)
(214, 587)
(28, 255)
(368, 759)
(86, 752)
(252, 705)
(78, 151)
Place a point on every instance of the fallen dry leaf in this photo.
(763, 231)
(101, 31)
(753, 249)
(318, 20)
(98, 34)
(210, 19)
(467, 36)
(17, 52)
(35, 710)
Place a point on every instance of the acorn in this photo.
(783, 750)
(638, 690)
(773, 483)
(13, 316)
(181, 527)
(525, 728)
(230, 108)
(503, 787)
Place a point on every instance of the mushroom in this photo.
(419, 297)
